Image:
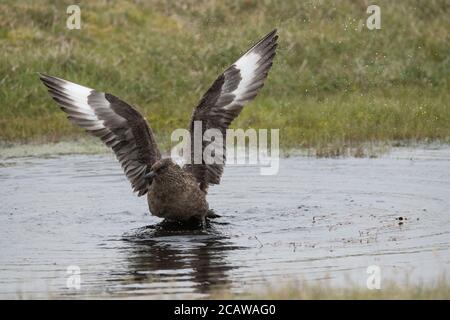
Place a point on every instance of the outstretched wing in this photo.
(223, 102)
(119, 125)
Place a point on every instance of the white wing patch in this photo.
(83, 111)
(247, 65)
(76, 90)
(79, 95)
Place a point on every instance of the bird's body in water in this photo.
(173, 192)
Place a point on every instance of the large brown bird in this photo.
(173, 192)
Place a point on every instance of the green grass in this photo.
(439, 289)
(334, 83)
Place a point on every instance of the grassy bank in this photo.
(334, 82)
(439, 289)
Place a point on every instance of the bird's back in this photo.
(177, 196)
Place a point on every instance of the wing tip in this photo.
(272, 35)
(50, 81)
(269, 39)
(45, 77)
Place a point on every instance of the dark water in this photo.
(318, 219)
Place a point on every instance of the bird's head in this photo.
(159, 168)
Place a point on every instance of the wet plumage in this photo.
(173, 192)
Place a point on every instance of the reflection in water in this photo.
(169, 253)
